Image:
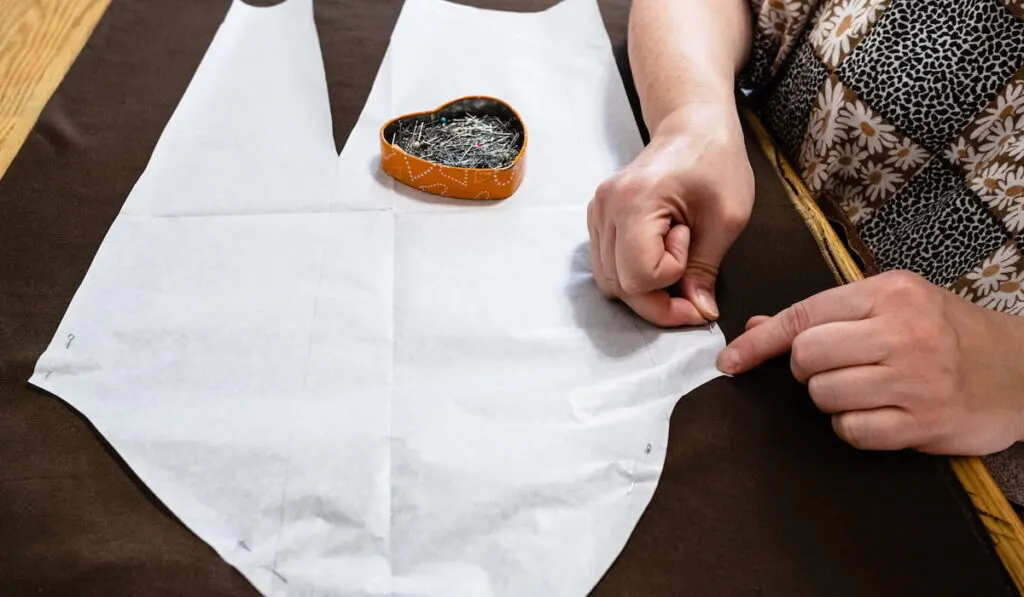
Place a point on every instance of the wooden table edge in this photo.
(54, 32)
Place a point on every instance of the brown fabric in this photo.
(757, 496)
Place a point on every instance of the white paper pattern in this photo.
(347, 387)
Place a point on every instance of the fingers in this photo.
(677, 244)
(886, 428)
(838, 344)
(653, 258)
(611, 277)
(643, 254)
(661, 309)
(775, 336)
(650, 255)
(850, 389)
(596, 263)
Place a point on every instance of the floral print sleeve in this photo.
(906, 119)
(777, 25)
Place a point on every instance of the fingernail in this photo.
(706, 305)
(728, 361)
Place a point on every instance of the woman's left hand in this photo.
(899, 363)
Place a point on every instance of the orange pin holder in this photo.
(450, 181)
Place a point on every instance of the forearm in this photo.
(685, 53)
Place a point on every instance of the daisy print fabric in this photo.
(997, 282)
(908, 117)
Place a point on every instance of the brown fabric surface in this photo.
(757, 497)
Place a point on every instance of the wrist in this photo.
(709, 101)
(720, 117)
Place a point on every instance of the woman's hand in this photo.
(672, 214)
(900, 363)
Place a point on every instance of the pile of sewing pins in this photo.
(469, 141)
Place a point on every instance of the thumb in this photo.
(706, 252)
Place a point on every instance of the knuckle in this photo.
(603, 190)
(851, 432)
(799, 358)
(902, 286)
(607, 289)
(620, 195)
(821, 394)
(592, 217)
(795, 369)
(815, 387)
(904, 278)
(734, 220)
(631, 285)
(799, 351)
(627, 185)
(795, 319)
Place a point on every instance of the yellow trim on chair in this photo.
(1003, 524)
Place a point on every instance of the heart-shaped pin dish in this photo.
(470, 148)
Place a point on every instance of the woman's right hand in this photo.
(666, 221)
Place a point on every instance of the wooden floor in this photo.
(39, 39)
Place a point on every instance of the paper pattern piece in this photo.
(348, 387)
